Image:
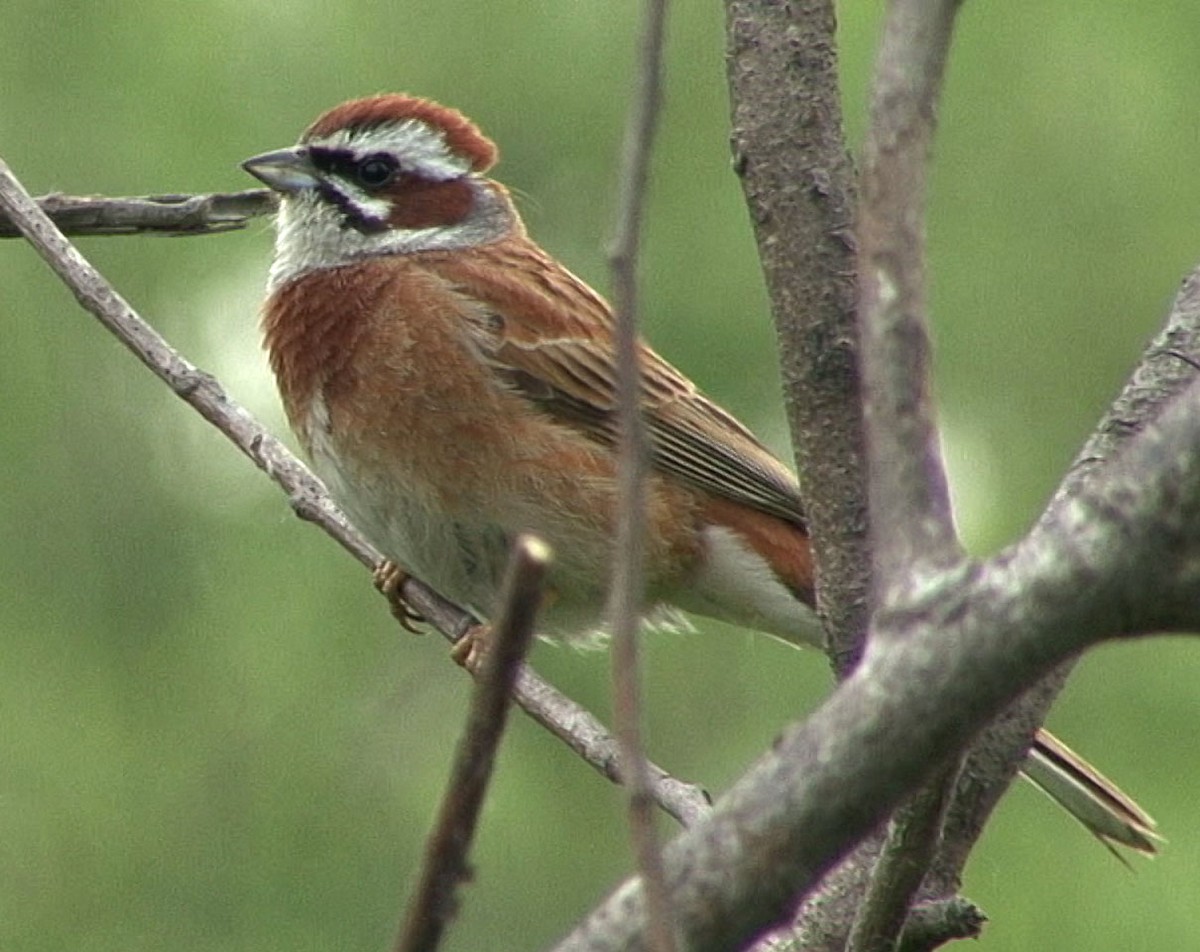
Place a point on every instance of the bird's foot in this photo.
(471, 648)
(388, 579)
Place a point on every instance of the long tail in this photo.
(1089, 796)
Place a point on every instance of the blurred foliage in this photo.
(215, 737)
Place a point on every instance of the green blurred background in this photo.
(214, 737)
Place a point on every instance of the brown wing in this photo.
(549, 336)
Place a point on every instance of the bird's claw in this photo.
(470, 649)
(388, 579)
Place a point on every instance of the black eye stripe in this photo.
(373, 170)
(353, 215)
(342, 165)
(333, 161)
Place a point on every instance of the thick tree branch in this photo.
(1131, 540)
(994, 629)
(567, 720)
(790, 154)
(1169, 366)
(799, 185)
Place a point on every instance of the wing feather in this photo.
(548, 336)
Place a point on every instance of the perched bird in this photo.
(454, 385)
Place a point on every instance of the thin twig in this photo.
(911, 523)
(580, 730)
(933, 924)
(910, 847)
(567, 720)
(171, 215)
(434, 903)
(628, 579)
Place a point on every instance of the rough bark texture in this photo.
(799, 183)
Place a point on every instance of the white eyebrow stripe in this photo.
(376, 209)
(419, 147)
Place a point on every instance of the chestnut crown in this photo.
(389, 174)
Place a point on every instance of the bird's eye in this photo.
(375, 171)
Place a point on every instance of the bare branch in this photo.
(1166, 368)
(790, 153)
(628, 581)
(909, 849)
(911, 523)
(1156, 393)
(580, 730)
(932, 924)
(150, 214)
(564, 718)
(434, 902)
(988, 631)
(1131, 540)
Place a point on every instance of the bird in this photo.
(454, 386)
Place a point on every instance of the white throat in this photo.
(312, 235)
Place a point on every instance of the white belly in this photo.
(463, 556)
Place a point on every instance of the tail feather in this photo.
(1090, 797)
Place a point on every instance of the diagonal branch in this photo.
(1156, 391)
(434, 903)
(994, 629)
(1166, 367)
(567, 720)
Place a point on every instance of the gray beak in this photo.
(287, 171)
